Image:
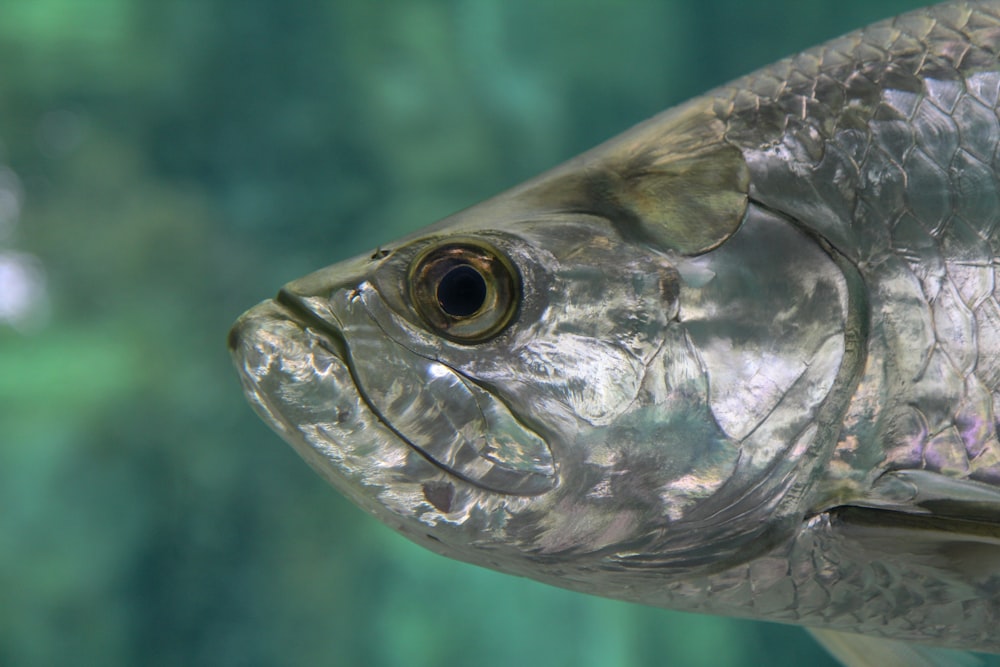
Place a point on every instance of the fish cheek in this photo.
(671, 430)
(631, 483)
(609, 305)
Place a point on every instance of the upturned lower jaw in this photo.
(279, 361)
(297, 379)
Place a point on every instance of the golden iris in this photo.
(464, 290)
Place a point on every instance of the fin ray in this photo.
(863, 651)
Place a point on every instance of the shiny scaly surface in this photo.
(743, 359)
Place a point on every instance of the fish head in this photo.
(489, 388)
(533, 384)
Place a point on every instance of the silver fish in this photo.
(743, 359)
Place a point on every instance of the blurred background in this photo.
(166, 165)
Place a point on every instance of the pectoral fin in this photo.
(862, 651)
(928, 520)
(931, 494)
(921, 553)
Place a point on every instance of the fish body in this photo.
(743, 359)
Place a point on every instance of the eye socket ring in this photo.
(464, 290)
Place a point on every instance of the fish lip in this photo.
(287, 307)
(325, 332)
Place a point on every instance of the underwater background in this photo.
(166, 165)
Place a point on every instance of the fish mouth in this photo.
(298, 370)
(279, 317)
(286, 354)
(297, 379)
(288, 317)
(280, 348)
(287, 306)
(330, 335)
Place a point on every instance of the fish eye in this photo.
(465, 291)
(462, 291)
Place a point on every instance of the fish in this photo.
(742, 359)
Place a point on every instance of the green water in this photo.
(165, 165)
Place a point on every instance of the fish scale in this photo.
(911, 199)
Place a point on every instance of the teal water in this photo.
(165, 165)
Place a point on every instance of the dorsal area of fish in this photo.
(751, 365)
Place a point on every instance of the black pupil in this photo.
(461, 291)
